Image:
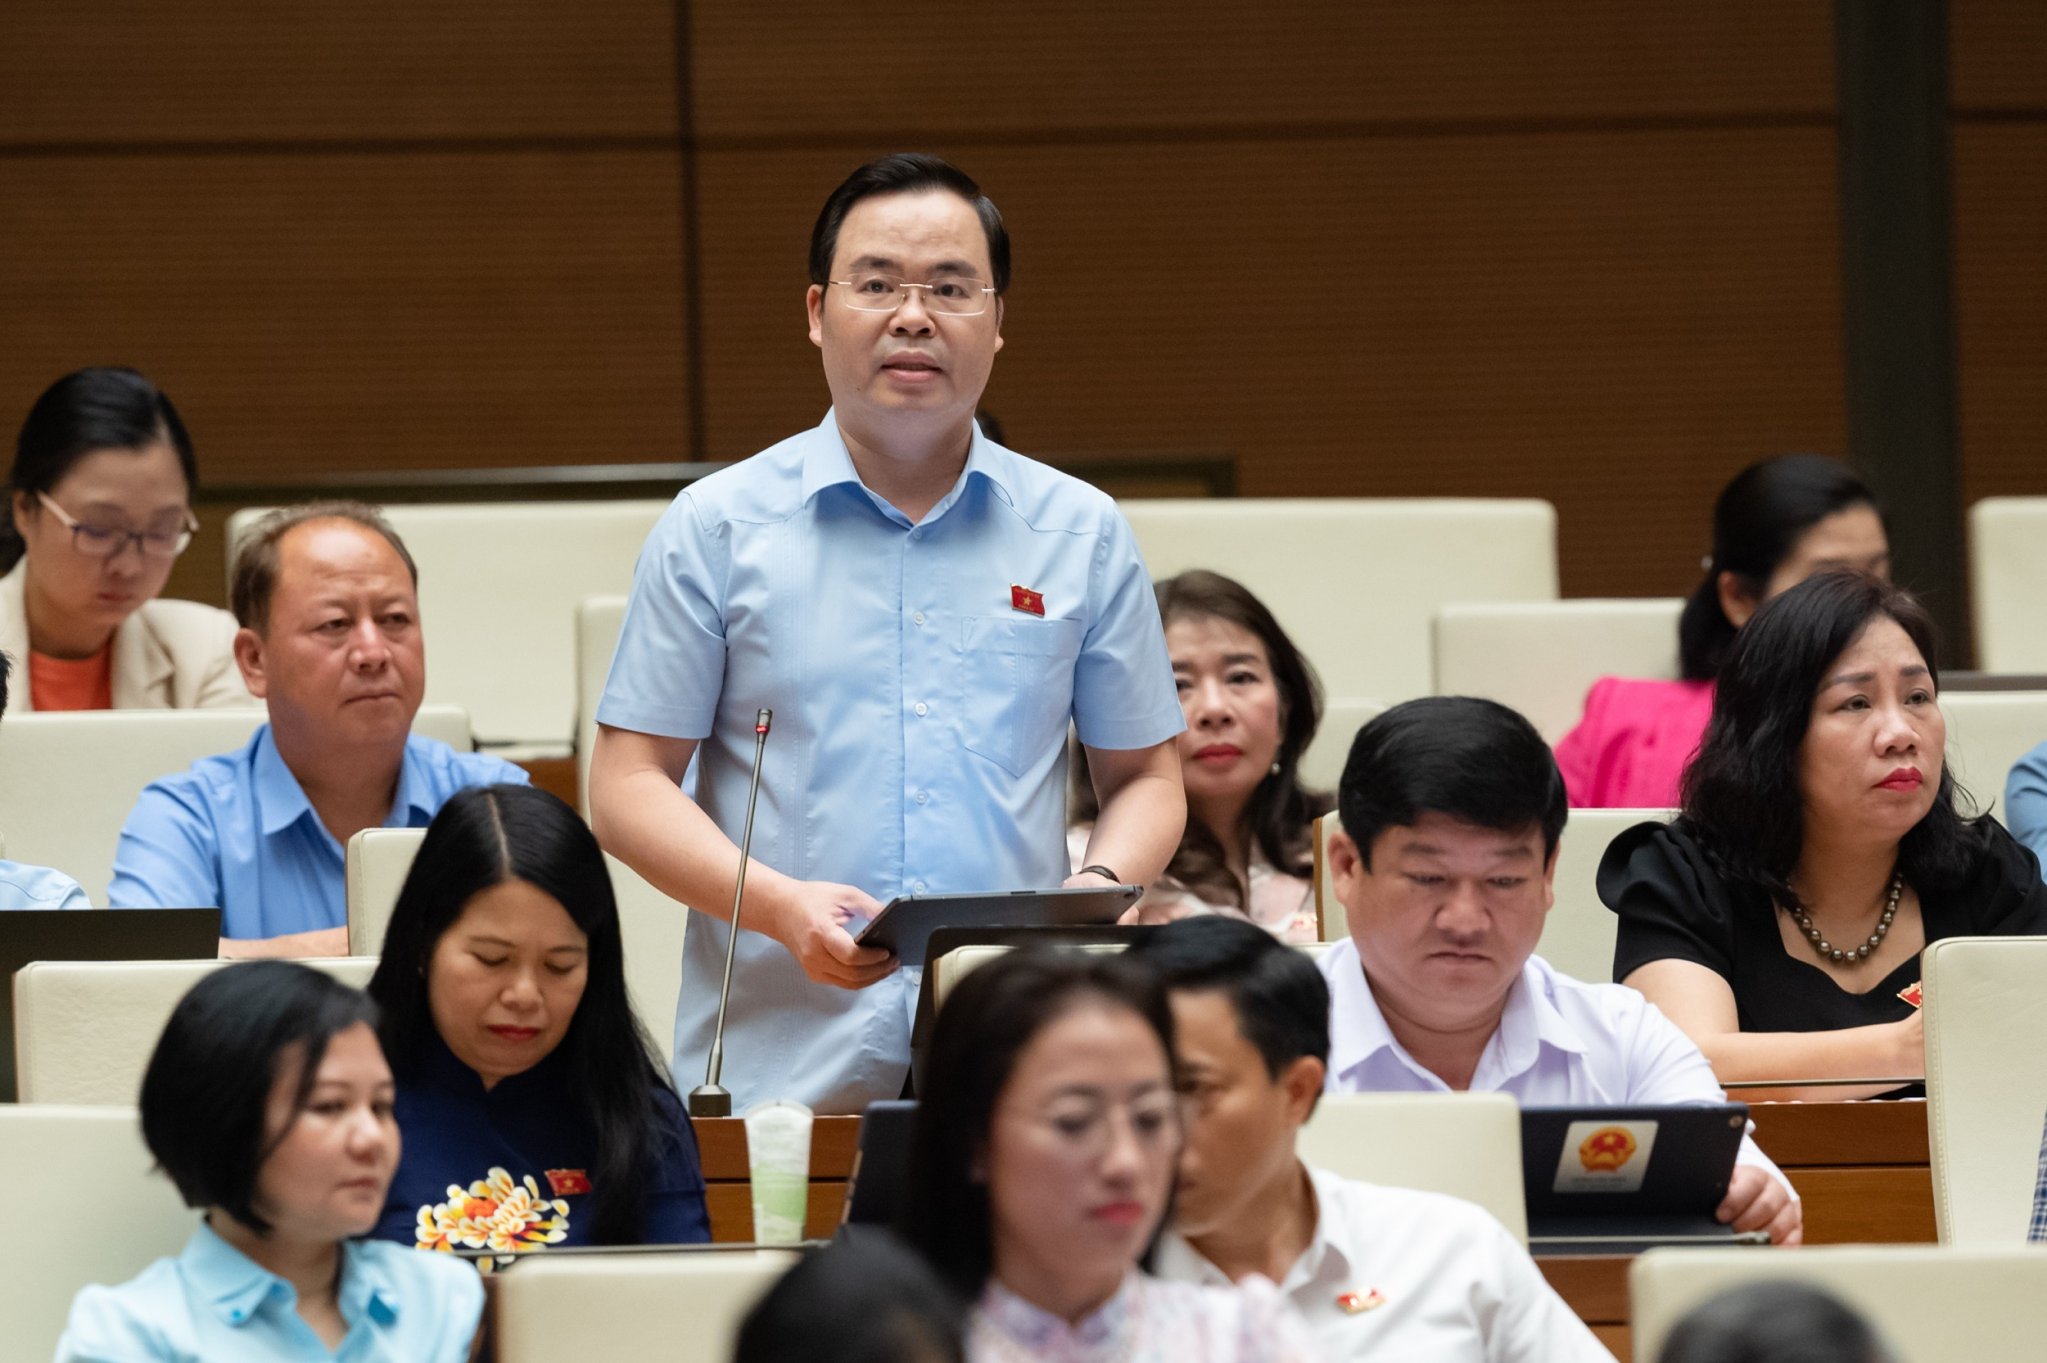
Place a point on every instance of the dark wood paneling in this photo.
(251, 71)
(1613, 320)
(348, 312)
(1997, 53)
(829, 72)
(2000, 236)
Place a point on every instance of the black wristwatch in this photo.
(1114, 879)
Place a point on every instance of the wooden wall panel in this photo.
(1612, 320)
(2001, 306)
(133, 71)
(316, 313)
(1997, 55)
(825, 72)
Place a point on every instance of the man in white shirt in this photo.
(1451, 809)
(1378, 1273)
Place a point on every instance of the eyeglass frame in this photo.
(903, 286)
(1176, 1105)
(138, 538)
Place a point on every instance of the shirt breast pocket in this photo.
(1018, 684)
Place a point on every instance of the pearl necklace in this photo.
(1855, 955)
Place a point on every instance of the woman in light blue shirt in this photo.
(269, 1104)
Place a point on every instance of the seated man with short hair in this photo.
(1377, 1272)
(330, 641)
(1451, 809)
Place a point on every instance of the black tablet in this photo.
(903, 927)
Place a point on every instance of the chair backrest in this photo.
(598, 621)
(1322, 763)
(2008, 583)
(1465, 1144)
(650, 924)
(680, 1308)
(1931, 1302)
(1541, 657)
(484, 568)
(1986, 1084)
(1398, 561)
(1988, 731)
(72, 778)
(84, 1030)
(89, 1210)
(948, 970)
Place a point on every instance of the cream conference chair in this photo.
(948, 970)
(1934, 1303)
(2008, 583)
(84, 1030)
(498, 585)
(1465, 1144)
(71, 779)
(1986, 1084)
(1541, 657)
(598, 621)
(680, 1308)
(1357, 582)
(650, 923)
(87, 1207)
(1322, 763)
(1988, 731)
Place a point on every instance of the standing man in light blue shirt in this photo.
(924, 611)
(330, 641)
(34, 887)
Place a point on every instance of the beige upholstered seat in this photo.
(679, 1308)
(948, 970)
(72, 778)
(650, 923)
(1541, 657)
(498, 588)
(1465, 1144)
(598, 620)
(85, 1207)
(1579, 934)
(84, 1030)
(1986, 1083)
(1322, 764)
(1934, 1303)
(1327, 567)
(2008, 583)
(1987, 731)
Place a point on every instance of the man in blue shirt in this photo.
(328, 601)
(924, 611)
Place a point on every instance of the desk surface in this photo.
(1861, 1168)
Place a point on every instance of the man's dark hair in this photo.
(1741, 794)
(254, 579)
(1280, 998)
(207, 1088)
(1474, 760)
(1773, 1322)
(906, 172)
(874, 1301)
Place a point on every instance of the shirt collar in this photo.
(283, 801)
(828, 463)
(1039, 1331)
(1177, 1258)
(1358, 1031)
(235, 1286)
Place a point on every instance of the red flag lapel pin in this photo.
(1026, 600)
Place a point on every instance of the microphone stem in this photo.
(753, 795)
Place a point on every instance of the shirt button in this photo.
(916, 534)
(923, 797)
(918, 887)
(918, 617)
(922, 709)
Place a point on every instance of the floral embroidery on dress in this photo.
(495, 1213)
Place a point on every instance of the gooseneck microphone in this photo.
(708, 1099)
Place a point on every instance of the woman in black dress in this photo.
(1822, 844)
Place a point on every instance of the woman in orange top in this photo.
(102, 490)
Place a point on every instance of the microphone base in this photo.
(709, 1100)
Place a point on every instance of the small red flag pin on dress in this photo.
(568, 1182)
(1026, 600)
(1913, 994)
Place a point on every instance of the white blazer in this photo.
(168, 655)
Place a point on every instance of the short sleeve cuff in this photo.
(1142, 732)
(663, 721)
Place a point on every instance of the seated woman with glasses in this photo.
(1823, 843)
(1046, 1149)
(102, 481)
(268, 1103)
(533, 1108)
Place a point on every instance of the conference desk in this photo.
(1861, 1168)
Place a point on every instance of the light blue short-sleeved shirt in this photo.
(214, 1304)
(236, 832)
(921, 710)
(39, 887)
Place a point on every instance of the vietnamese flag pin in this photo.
(1026, 600)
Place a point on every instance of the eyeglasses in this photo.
(107, 541)
(1087, 1124)
(959, 296)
